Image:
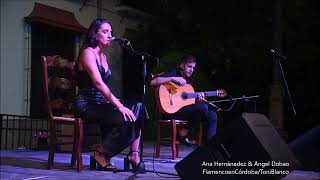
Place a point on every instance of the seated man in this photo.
(199, 111)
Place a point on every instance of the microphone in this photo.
(275, 53)
(120, 40)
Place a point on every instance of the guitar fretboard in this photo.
(195, 94)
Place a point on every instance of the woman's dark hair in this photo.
(188, 59)
(91, 38)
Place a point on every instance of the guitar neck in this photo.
(195, 94)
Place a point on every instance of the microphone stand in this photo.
(285, 82)
(233, 99)
(127, 45)
(211, 103)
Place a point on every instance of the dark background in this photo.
(231, 40)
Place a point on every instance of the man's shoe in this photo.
(184, 141)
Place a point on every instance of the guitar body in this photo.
(169, 97)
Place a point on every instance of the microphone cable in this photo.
(153, 159)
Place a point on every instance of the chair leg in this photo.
(177, 151)
(52, 145)
(79, 144)
(174, 139)
(200, 134)
(158, 140)
(74, 146)
(177, 147)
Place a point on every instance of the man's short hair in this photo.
(188, 59)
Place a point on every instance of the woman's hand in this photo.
(127, 114)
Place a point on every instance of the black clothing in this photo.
(91, 105)
(176, 72)
(89, 92)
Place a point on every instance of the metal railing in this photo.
(20, 131)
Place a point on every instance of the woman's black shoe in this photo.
(109, 167)
(139, 168)
(97, 160)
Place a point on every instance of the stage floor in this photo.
(31, 165)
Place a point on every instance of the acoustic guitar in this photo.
(171, 97)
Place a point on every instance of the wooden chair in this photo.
(175, 125)
(59, 88)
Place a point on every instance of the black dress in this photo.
(91, 105)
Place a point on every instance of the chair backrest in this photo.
(157, 113)
(58, 75)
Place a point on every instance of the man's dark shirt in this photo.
(176, 73)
